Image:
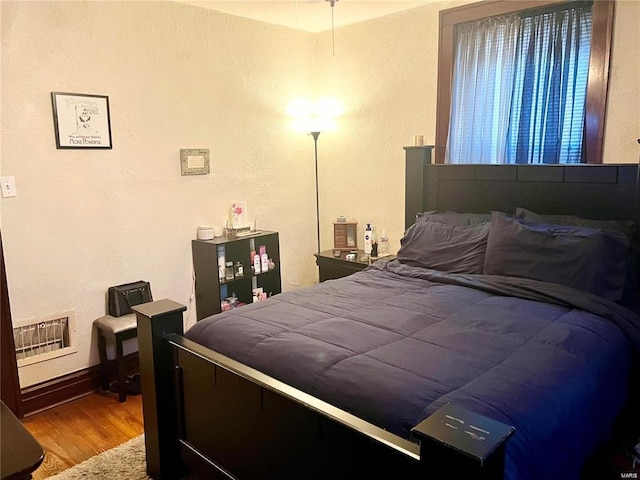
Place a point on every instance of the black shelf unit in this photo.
(210, 290)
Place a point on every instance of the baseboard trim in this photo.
(65, 388)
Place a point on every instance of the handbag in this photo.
(123, 297)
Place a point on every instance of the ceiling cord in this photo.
(333, 30)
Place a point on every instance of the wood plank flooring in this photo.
(75, 431)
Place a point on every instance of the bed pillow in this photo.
(624, 226)
(587, 259)
(453, 218)
(627, 227)
(448, 248)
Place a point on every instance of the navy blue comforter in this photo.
(394, 343)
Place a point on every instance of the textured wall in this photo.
(181, 77)
(623, 109)
(177, 77)
(385, 73)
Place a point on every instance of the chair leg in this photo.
(104, 362)
(122, 383)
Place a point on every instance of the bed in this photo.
(333, 381)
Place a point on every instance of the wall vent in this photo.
(45, 338)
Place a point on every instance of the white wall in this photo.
(385, 73)
(182, 77)
(623, 110)
(177, 77)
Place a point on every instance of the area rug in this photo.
(124, 462)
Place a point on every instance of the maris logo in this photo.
(629, 475)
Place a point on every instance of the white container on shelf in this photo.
(205, 232)
(256, 263)
(264, 259)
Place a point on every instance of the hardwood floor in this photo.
(74, 432)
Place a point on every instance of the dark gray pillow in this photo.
(448, 248)
(625, 226)
(453, 218)
(587, 259)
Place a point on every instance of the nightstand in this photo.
(331, 267)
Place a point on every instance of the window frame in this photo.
(598, 82)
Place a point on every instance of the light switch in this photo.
(8, 185)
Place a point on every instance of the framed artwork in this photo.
(194, 161)
(239, 214)
(345, 235)
(81, 121)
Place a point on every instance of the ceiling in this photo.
(308, 15)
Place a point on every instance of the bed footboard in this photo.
(159, 402)
(208, 414)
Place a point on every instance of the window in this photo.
(499, 100)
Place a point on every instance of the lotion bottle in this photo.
(256, 263)
(367, 239)
(264, 259)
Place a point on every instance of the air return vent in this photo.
(45, 338)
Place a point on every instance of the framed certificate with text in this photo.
(81, 121)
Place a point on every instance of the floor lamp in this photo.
(315, 136)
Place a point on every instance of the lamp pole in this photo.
(315, 136)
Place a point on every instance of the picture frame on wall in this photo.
(81, 120)
(194, 161)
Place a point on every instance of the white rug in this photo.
(124, 462)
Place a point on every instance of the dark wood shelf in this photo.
(331, 267)
(210, 290)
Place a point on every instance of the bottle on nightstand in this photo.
(383, 244)
(367, 239)
(374, 243)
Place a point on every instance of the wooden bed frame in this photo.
(208, 415)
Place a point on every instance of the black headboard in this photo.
(607, 191)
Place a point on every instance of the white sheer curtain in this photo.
(483, 73)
